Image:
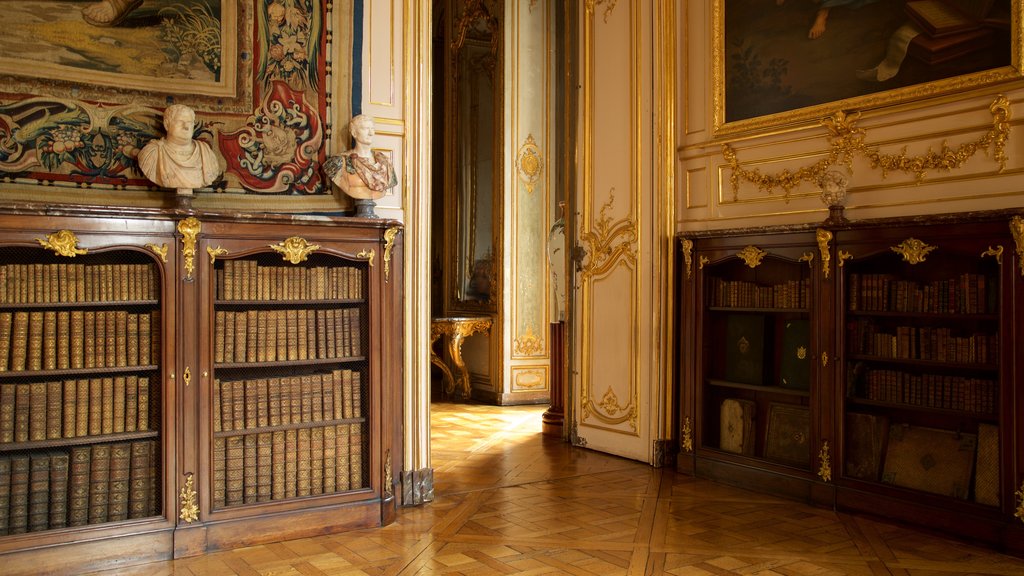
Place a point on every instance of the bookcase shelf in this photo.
(114, 439)
(913, 409)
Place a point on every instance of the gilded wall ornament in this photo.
(609, 6)
(608, 243)
(367, 255)
(530, 163)
(912, 250)
(687, 438)
(389, 483)
(63, 243)
(996, 252)
(1019, 513)
(189, 229)
(846, 141)
(295, 249)
(528, 344)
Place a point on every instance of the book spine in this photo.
(291, 463)
(39, 491)
(76, 351)
(139, 488)
(131, 403)
(234, 470)
(264, 466)
(60, 466)
(35, 340)
(54, 409)
(343, 447)
(99, 484)
(220, 476)
(5, 493)
(50, 340)
(277, 465)
(69, 408)
(19, 340)
(143, 403)
(251, 466)
(6, 326)
(330, 443)
(37, 411)
(120, 477)
(107, 410)
(316, 461)
(7, 407)
(20, 470)
(22, 411)
(304, 477)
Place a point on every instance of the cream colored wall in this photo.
(705, 198)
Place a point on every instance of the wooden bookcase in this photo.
(176, 382)
(891, 389)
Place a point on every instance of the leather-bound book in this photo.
(262, 338)
(234, 464)
(321, 334)
(291, 463)
(61, 340)
(54, 409)
(330, 335)
(283, 343)
(139, 487)
(110, 319)
(238, 405)
(218, 336)
(252, 326)
(50, 340)
(7, 407)
(338, 395)
(316, 461)
(69, 408)
(356, 455)
(145, 339)
(60, 468)
(5, 492)
(107, 421)
(22, 411)
(330, 443)
(120, 477)
(35, 340)
(99, 483)
(120, 383)
(249, 447)
(270, 342)
(20, 470)
(76, 348)
(241, 336)
(292, 334)
(81, 407)
(132, 339)
(264, 466)
(316, 398)
(220, 473)
(327, 395)
(143, 403)
(262, 403)
(277, 465)
(120, 338)
(100, 339)
(354, 332)
(37, 411)
(226, 391)
(19, 340)
(6, 325)
(303, 471)
(131, 403)
(342, 450)
(39, 491)
(89, 339)
(95, 406)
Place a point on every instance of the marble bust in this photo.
(361, 173)
(177, 160)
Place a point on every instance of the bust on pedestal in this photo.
(177, 161)
(361, 173)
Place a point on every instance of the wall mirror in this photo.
(473, 181)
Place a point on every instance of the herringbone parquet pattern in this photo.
(510, 501)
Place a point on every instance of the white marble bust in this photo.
(177, 161)
(360, 172)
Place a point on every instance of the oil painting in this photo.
(779, 62)
(83, 85)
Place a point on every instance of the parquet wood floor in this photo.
(510, 501)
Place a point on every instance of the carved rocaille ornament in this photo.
(846, 141)
(687, 436)
(389, 244)
(63, 243)
(752, 256)
(189, 229)
(295, 249)
(214, 252)
(188, 496)
(912, 250)
(160, 251)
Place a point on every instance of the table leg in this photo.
(449, 378)
(455, 351)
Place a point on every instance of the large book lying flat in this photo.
(943, 17)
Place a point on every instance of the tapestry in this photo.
(83, 86)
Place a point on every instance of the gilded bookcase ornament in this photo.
(824, 463)
(295, 249)
(687, 436)
(997, 252)
(389, 489)
(912, 250)
(824, 238)
(1017, 229)
(63, 243)
(389, 243)
(752, 256)
(189, 505)
(688, 256)
(214, 252)
(160, 251)
(368, 255)
(189, 229)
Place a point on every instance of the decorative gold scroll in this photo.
(189, 505)
(825, 463)
(160, 251)
(846, 141)
(607, 243)
(389, 243)
(844, 256)
(1020, 503)
(189, 229)
(368, 255)
(752, 256)
(912, 250)
(214, 252)
(530, 163)
(609, 6)
(63, 243)
(997, 252)
(295, 249)
(389, 489)
(807, 257)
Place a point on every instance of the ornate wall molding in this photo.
(846, 140)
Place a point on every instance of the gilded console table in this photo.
(457, 329)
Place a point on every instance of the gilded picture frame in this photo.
(769, 73)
